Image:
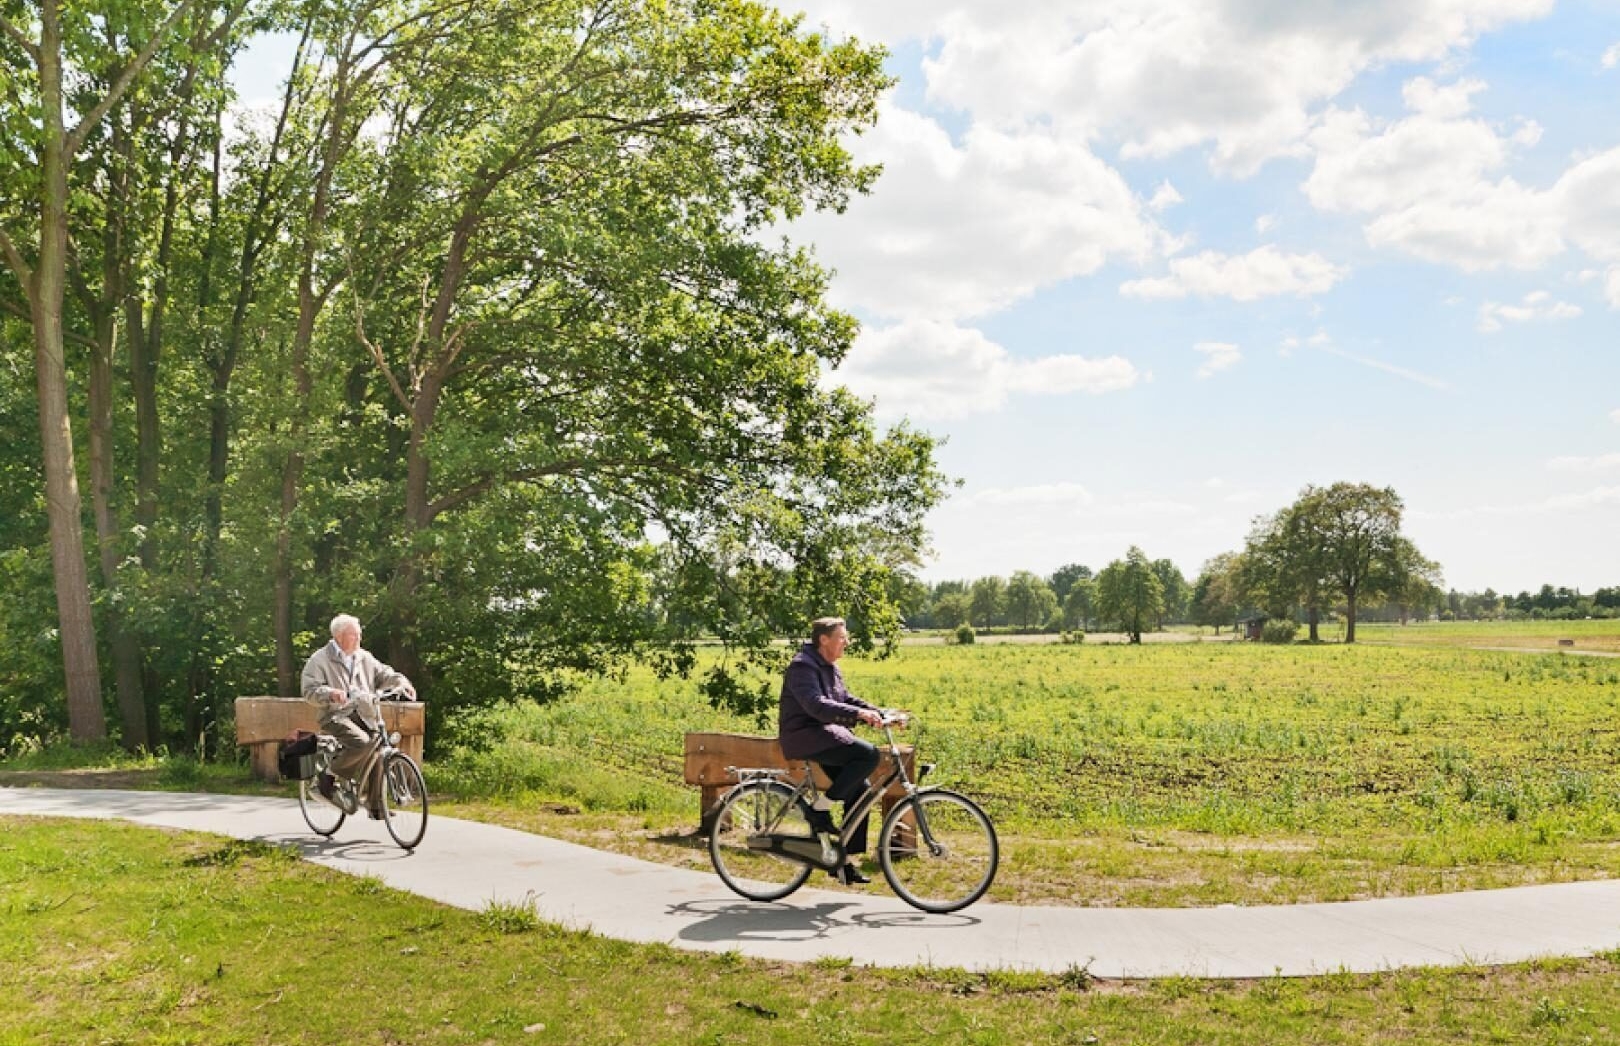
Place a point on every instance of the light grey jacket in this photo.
(324, 675)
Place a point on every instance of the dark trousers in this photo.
(848, 767)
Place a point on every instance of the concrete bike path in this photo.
(468, 865)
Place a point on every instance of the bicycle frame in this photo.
(382, 743)
(857, 812)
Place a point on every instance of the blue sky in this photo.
(1150, 267)
(1153, 267)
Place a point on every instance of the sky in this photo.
(1151, 267)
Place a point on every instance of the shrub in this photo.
(1279, 630)
(964, 634)
(1076, 636)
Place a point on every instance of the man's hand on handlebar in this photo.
(885, 717)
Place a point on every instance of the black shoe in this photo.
(376, 814)
(821, 821)
(324, 783)
(849, 875)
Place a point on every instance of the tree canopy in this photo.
(479, 333)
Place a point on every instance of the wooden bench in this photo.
(708, 755)
(1566, 642)
(262, 723)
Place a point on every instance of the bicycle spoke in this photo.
(752, 811)
(322, 817)
(938, 851)
(405, 801)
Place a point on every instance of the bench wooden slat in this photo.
(708, 755)
(262, 723)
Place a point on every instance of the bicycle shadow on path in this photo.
(744, 921)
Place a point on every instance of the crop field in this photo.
(1526, 635)
(1156, 775)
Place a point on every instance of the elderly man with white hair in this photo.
(341, 679)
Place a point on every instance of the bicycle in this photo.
(403, 789)
(937, 848)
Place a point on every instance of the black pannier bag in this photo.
(296, 756)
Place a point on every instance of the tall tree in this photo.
(1176, 591)
(1217, 594)
(1130, 593)
(1030, 600)
(1077, 605)
(1358, 529)
(52, 54)
(988, 597)
(1064, 577)
(1284, 566)
(1414, 581)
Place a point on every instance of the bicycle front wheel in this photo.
(323, 817)
(405, 801)
(938, 850)
(752, 810)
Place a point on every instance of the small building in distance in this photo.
(1251, 624)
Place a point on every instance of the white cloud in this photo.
(1426, 181)
(1586, 199)
(1265, 223)
(954, 230)
(1218, 356)
(1614, 416)
(1159, 76)
(1600, 463)
(1537, 305)
(1611, 288)
(1165, 196)
(1611, 57)
(931, 369)
(1263, 272)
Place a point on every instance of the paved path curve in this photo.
(467, 864)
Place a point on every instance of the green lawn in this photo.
(111, 933)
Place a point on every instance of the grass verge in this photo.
(112, 933)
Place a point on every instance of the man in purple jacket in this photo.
(813, 723)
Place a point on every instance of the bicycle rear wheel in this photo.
(322, 817)
(404, 799)
(938, 850)
(750, 810)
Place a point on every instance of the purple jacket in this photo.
(817, 709)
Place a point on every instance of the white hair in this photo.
(343, 622)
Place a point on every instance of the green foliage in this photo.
(479, 340)
(1279, 630)
(1130, 593)
(964, 635)
(510, 917)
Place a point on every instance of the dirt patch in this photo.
(79, 778)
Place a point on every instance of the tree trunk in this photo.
(1350, 616)
(86, 718)
(1313, 617)
(310, 303)
(126, 651)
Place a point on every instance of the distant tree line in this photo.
(1135, 594)
(1334, 552)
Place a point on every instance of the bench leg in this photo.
(907, 829)
(263, 758)
(712, 794)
